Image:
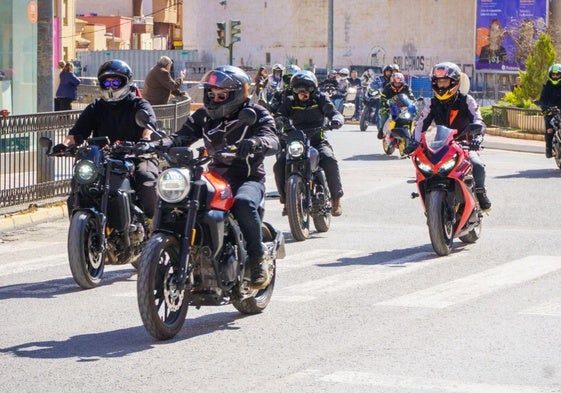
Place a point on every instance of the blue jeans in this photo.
(478, 169)
(248, 198)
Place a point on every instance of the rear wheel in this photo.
(557, 152)
(322, 214)
(440, 224)
(365, 118)
(162, 305)
(260, 299)
(85, 256)
(298, 215)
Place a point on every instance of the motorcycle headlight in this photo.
(85, 172)
(174, 184)
(448, 165)
(295, 149)
(424, 168)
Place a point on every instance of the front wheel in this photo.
(85, 254)
(557, 151)
(441, 229)
(162, 305)
(365, 118)
(298, 215)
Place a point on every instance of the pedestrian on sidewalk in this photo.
(159, 85)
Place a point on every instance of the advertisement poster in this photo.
(506, 31)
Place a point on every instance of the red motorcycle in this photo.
(446, 186)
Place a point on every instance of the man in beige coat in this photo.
(158, 83)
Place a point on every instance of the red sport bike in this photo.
(446, 186)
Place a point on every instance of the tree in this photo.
(539, 60)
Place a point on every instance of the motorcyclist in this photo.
(274, 82)
(225, 94)
(113, 115)
(342, 87)
(396, 86)
(308, 108)
(281, 93)
(453, 109)
(387, 72)
(550, 96)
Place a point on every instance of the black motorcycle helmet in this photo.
(289, 71)
(231, 78)
(304, 79)
(114, 69)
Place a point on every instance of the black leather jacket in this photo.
(223, 132)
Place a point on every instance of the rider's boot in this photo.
(257, 265)
(336, 207)
(484, 201)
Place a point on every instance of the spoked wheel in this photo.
(322, 216)
(85, 257)
(440, 224)
(162, 305)
(365, 118)
(298, 215)
(258, 300)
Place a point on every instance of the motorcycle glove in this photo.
(247, 147)
(60, 148)
(411, 147)
(335, 124)
(475, 143)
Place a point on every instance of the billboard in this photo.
(505, 32)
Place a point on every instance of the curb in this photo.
(24, 219)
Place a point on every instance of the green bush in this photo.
(487, 114)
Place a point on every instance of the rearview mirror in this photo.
(247, 116)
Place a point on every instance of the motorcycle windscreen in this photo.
(438, 136)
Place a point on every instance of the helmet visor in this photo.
(219, 79)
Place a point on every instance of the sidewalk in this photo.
(494, 139)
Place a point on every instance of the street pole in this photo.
(330, 36)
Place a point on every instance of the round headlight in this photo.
(85, 172)
(296, 149)
(173, 184)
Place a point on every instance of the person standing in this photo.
(159, 85)
(67, 90)
(356, 82)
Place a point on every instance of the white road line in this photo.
(28, 265)
(311, 257)
(426, 384)
(363, 276)
(551, 309)
(476, 285)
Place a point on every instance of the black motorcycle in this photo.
(556, 124)
(197, 255)
(371, 107)
(307, 193)
(107, 226)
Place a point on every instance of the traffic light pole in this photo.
(228, 33)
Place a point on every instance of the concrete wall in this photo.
(414, 33)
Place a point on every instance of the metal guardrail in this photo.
(28, 175)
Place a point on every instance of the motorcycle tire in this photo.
(298, 215)
(256, 303)
(365, 118)
(557, 152)
(389, 148)
(441, 227)
(86, 263)
(162, 306)
(322, 218)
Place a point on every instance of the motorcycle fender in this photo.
(314, 159)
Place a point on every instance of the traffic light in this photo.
(234, 31)
(221, 32)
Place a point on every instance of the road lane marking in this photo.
(480, 284)
(29, 265)
(418, 384)
(360, 277)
